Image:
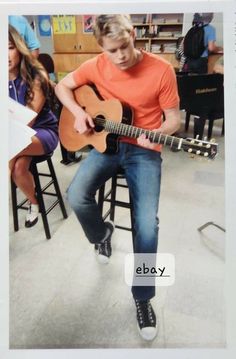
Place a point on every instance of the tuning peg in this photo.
(190, 150)
(206, 154)
(198, 152)
(213, 140)
(197, 137)
(205, 138)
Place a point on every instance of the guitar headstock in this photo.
(208, 149)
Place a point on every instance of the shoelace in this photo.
(140, 311)
(104, 248)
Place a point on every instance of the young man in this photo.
(148, 85)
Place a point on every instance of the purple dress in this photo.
(46, 123)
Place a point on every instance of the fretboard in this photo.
(122, 129)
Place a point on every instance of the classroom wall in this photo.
(217, 22)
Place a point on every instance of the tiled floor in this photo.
(61, 297)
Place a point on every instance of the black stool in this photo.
(40, 191)
(111, 197)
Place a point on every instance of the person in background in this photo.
(147, 83)
(21, 24)
(200, 65)
(29, 85)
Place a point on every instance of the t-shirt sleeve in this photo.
(168, 94)
(211, 33)
(84, 73)
(30, 37)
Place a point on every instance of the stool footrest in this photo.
(110, 197)
(52, 206)
(40, 192)
(125, 228)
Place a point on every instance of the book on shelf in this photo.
(155, 48)
(140, 18)
(160, 20)
(165, 34)
(140, 32)
(169, 47)
(172, 21)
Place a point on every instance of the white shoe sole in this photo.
(103, 259)
(148, 333)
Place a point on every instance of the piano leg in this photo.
(198, 129)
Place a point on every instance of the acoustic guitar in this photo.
(113, 119)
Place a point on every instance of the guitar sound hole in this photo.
(99, 126)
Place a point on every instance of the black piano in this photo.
(201, 96)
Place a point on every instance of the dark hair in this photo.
(202, 18)
(30, 69)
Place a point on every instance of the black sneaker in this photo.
(146, 319)
(104, 248)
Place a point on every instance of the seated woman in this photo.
(29, 85)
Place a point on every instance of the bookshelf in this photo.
(157, 33)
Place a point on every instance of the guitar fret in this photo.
(132, 132)
(165, 140)
(154, 137)
(180, 143)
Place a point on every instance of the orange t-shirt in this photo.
(149, 87)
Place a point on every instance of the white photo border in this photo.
(228, 8)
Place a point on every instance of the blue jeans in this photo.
(142, 169)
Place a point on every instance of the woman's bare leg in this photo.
(20, 172)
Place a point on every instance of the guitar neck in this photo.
(123, 129)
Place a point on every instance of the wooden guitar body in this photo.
(102, 140)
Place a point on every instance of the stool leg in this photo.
(57, 188)
(132, 221)
(101, 194)
(40, 199)
(14, 205)
(113, 197)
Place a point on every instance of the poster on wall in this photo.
(64, 24)
(88, 23)
(44, 22)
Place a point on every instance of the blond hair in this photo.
(114, 26)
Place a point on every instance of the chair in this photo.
(40, 191)
(47, 61)
(111, 197)
(201, 96)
